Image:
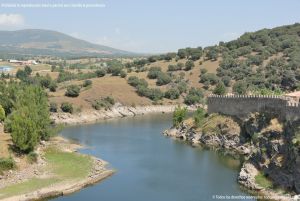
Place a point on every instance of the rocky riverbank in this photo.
(41, 170)
(117, 111)
(269, 146)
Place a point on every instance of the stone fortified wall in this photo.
(242, 105)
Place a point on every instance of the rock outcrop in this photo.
(271, 147)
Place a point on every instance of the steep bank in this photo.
(117, 111)
(270, 146)
(58, 171)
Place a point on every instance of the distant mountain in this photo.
(34, 42)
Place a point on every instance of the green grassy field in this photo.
(65, 167)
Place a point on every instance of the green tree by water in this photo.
(179, 115)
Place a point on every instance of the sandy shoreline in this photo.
(98, 173)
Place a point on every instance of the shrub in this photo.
(154, 94)
(172, 94)
(226, 80)
(6, 164)
(67, 107)
(135, 81)
(203, 70)
(240, 87)
(2, 113)
(154, 72)
(53, 107)
(32, 157)
(189, 65)
(182, 87)
(115, 70)
(163, 79)
(194, 96)
(123, 74)
(220, 89)
(106, 103)
(199, 117)
(72, 91)
(53, 86)
(179, 115)
(87, 83)
(100, 73)
(209, 77)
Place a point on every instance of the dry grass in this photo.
(5, 141)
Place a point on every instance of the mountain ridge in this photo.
(41, 42)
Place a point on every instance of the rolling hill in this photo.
(35, 42)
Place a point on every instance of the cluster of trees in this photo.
(162, 78)
(27, 114)
(251, 72)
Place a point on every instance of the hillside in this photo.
(34, 42)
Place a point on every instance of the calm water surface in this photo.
(151, 167)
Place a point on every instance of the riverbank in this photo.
(259, 141)
(117, 111)
(59, 170)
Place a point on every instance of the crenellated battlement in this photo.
(243, 105)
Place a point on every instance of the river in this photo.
(150, 166)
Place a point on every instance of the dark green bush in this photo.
(172, 94)
(53, 107)
(100, 73)
(87, 83)
(154, 72)
(6, 164)
(72, 91)
(163, 79)
(67, 107)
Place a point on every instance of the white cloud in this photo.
(11, 20)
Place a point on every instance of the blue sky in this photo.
(153, 26)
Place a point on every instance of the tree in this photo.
(72, 91)
(28, 70)
(30, 119)
(220, 89)
(182, 53)
(240, 87)
(24, 131)
(189, 65)
(179, 115)
(212, 54)
(2, 113)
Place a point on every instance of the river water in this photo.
(150, 166)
